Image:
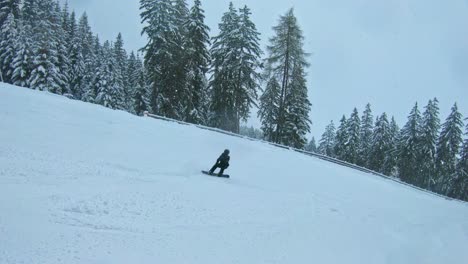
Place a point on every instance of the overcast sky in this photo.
(390, 53)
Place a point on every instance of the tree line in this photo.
(423, 153)
(219, 85)
(45, 47)
(182, 73)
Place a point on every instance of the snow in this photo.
(80, 183)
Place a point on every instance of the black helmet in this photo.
(226, 151)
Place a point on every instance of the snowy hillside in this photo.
(80, 183)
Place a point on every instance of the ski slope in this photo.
(80, 183)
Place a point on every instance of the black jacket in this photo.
(223, 160)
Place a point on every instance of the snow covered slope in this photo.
(80, 183)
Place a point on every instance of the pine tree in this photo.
(327, 142)
(106, 82)
(409, 140)
(22, 61)
(427, 145)
(131, 77)
(367, 127)
(131, 68)
(65, 42)
(235, 54)
(448, 146)
(181, 58)
(224, 54)
(45, 74)
(141, 98)
(341, 139)
(268, 112)
(460, 183)
(160, 56)
(285, 60)
(381, 146)
(63, 62)
(245, 73)
(123, 94)
(297, 105)
(76, 59)
(86, 59)
(9, 18)
(391, 159)
(198, 59)
(99, 77)
(66, 21)
(312, 146)
(354, 129)
(8, 38)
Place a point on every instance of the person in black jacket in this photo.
(222, 162)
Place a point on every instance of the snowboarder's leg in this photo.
(221, 171)
(213, 168)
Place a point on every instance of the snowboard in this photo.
(215, 174)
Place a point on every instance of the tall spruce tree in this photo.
(141, 94)
(268, 111)
(180, 58)
(297, 106)
(341, 140)
(224, 54)
(129, 74)
(448, 146)
(46, 74)
(460, 184)
(161, 27)
(367, 126)
(123, 93)
(66, 23)
(391, 159)
(107, 84)
(87, 42)
(76, 59)
(354, 129)
(409, 140)
(286, 58)
(9, 16)
(99, 82)
(198, 59)
(63, 62)
(247, 78)
(22, 60)
(381, 145)
(82, 58)
(327, 142)
(8, 38)
(234, 82)
(427, 145)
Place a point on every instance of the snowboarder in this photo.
(222, 162)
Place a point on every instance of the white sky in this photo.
(390, 53)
